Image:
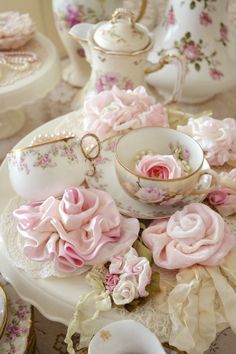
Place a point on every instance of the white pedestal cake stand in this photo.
(26, 90)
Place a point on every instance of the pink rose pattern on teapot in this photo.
(194, 50)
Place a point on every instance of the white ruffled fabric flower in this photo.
(135, 274)
(216, 137)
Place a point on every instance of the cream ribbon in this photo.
(202, 303)
(17, 60)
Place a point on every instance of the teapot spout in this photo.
(80, 33)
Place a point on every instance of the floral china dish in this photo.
(179, 157)
(117, 51)
(125, 337)
(47, 168)
(105, 178)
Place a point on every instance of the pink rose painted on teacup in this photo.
(159, 167)
(117, 111)
(194, 235)
(84, 228)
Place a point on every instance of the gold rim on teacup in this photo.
(157, 179)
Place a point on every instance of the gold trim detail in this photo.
(5, 303)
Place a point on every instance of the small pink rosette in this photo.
(83, 228)
(132, 274)
(194, 235)
(224, 197)
(117, 111)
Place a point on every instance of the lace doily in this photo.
(14, 247)
(10, 76)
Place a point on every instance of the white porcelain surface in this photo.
(200, 31)
(106, 179)
(125, 337)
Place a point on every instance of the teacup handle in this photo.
(181, 63)
(214, 182)
(85, 152)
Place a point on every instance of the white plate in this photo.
(105, 178)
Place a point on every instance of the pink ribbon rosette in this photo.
(128, 277)
(224, 197)
(194, 235)
(159, 166)
(83, 228)
(116, 111)
(216, 137)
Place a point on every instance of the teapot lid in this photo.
(122, 33)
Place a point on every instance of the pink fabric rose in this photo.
(224, 198)
(159, 167)
(205, 19)
(191, 51)
(84, 228)
(218, 197)
(115, 111)
(131, 269)
(194, 235)
(111, 280)
(216, 137)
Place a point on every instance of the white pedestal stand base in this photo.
(11, 122)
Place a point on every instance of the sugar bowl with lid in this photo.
(117, 51)
(45, 169)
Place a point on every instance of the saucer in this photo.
(105, 179)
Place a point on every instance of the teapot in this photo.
(67, 13)
(117, 52)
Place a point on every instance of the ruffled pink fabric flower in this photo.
(116, 111)
(159, 166)
(216, 137)
(134, 275)
(84, 228)
(194, 235)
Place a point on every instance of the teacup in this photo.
(125, 337)
(45, 169)
(163, 141)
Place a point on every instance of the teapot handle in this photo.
(180, 62)
(121, 12)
